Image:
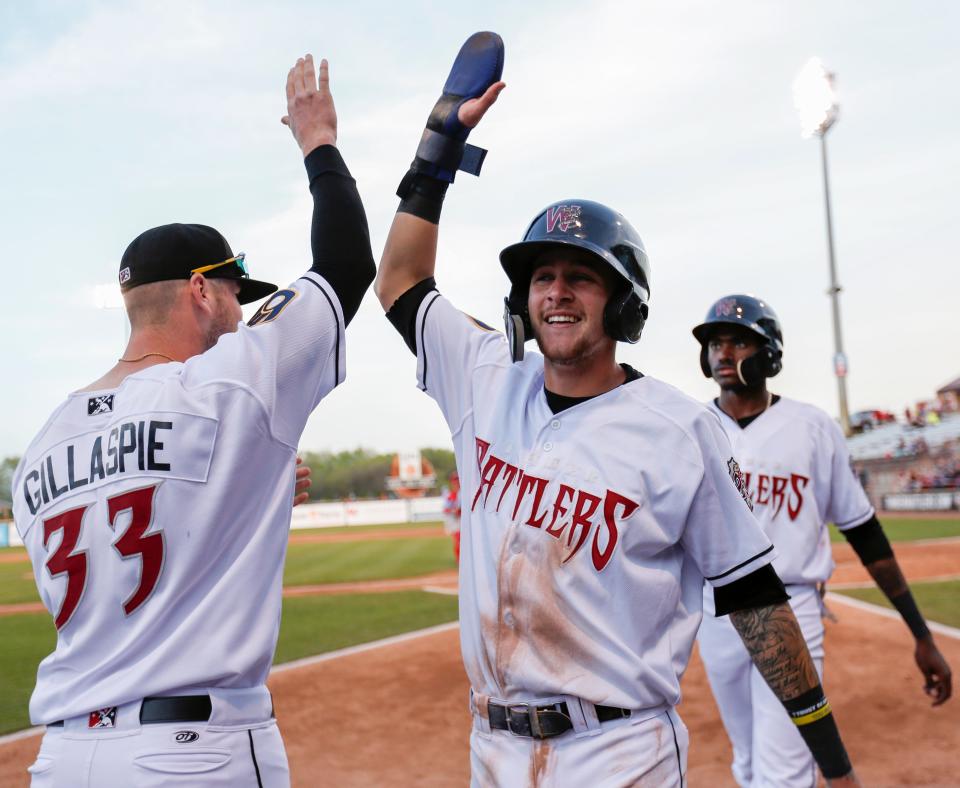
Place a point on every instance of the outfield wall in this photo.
(331, 514)
(932, 501)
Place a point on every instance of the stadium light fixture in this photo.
(816, 101)
(815, 98)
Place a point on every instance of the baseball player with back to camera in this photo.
(796, 468)
(595, 499)
(155, 503)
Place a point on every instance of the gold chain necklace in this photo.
(141, 358)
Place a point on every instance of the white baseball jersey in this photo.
(586, 534)
(797, 469)
(156, 515)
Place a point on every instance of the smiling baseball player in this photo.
(796, 469)
(155, 503)
(595, 499)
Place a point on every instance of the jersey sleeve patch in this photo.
(480, 324)
(737, 475)
(271, 308)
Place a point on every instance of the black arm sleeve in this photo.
(339, 237)
(869, 541)
(403, 313)
(760, 588)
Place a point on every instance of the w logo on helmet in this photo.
(725, 307)
(562, 216)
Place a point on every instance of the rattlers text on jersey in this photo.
(796, 468)
(137, 509)
(586, 534)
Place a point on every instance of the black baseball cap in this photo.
(175, 251)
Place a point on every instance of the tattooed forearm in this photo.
(776, 645)
(888, 577)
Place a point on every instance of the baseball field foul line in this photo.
(841, 599)
(359, 649)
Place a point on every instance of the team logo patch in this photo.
(479, 323)
(725, 307)
(185, 737)
(124, 275)
(271, 308)
(101, 404)
(103, 718)
(737, 475)
(563, 217)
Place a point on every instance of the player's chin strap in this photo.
(516, 334)
(443, 149)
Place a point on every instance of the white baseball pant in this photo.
(628, 752)
(239, 745)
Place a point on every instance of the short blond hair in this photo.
(151, 304)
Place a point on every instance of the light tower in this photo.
(816, 103)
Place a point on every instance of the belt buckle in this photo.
(530, 712)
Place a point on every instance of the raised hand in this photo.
(311, 114)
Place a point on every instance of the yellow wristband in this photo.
(812, 716)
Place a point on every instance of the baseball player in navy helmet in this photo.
(797, 472)
(595, 499)
(155, 502)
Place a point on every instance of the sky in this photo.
(119, 116)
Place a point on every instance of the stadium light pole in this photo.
(816, 103)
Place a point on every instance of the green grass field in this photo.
(307, 563)
(26, 639)
(908, 529)
(340, 562)
(938, 601)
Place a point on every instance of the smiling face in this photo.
(568, 294)
(726, 348)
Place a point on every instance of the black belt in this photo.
(180, 708)
(542, 722)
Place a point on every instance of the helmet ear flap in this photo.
(765, 363)
(704, 364)
(624, 316)
(516, 317)
(775, 362)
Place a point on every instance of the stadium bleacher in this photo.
(885, 440)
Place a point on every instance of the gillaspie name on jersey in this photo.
(129, 448)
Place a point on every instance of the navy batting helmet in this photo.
(605, 234)
(758, 317)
